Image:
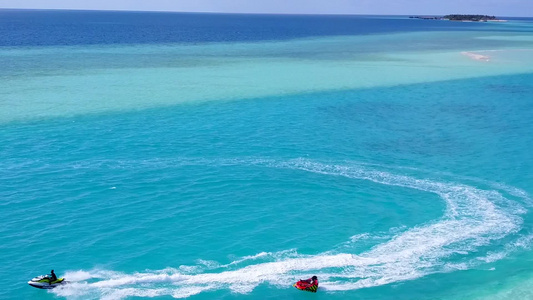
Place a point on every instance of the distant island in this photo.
(461, 18)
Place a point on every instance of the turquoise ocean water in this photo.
(393, 160)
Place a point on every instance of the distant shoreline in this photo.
(461, 18)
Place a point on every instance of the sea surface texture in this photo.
(203, 156)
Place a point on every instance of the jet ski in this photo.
(309, 285)
(43, 282)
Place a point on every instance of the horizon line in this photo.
(235, 13)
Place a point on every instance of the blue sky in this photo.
(401, 7)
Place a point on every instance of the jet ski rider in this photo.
(52, 277)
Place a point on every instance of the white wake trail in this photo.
(472, 219)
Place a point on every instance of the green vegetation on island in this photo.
(474, 18)
(462, 18)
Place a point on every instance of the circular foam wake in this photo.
(482, 216)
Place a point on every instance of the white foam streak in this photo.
(358, 237)
(81, 275)
(472, 219)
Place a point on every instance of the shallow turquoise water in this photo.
(285, 179)
(413, 185)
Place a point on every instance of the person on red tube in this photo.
(312, 281)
